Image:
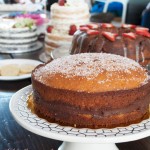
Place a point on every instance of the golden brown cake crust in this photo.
(92, 72)
(107, 109)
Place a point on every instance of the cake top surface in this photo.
(18, 23)
(90, 64)
(111, 32)
(99, 68)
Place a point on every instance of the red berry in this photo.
(129, 35)
(106, 25)
(144, 33)
(92, 26)
(72, 30)
(92, 32)
(110, 36)
(61, 2)
(84, 28)
(49, 29)
(129, 26)
(141, 29)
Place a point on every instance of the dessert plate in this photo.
(31, 122)
(18, 62)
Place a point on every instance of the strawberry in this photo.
(85, 25)
(141, 29)
(144, 33)
(49, 29)
(84, 28)
(110, 36)
(92, 32)
(92, 26)
(106, 25)
(129, 35)
(129, 26)
(73, 29)
(61, 2)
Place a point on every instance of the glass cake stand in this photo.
(74, 138)
(54, 54)
(44, 57)
(60, 52)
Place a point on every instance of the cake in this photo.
(17, 33)
(91, 90)
(65, 18)
(128, 40)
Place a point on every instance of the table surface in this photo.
(15, 137)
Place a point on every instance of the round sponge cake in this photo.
(91, 90)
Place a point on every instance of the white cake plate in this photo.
(37, 46)
(75, 138)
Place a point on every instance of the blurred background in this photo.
(137, 12)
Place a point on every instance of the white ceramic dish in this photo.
(101, 138)
(18, 62)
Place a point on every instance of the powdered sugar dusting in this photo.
(89, 65)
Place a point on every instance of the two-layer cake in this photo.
(91, 90)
